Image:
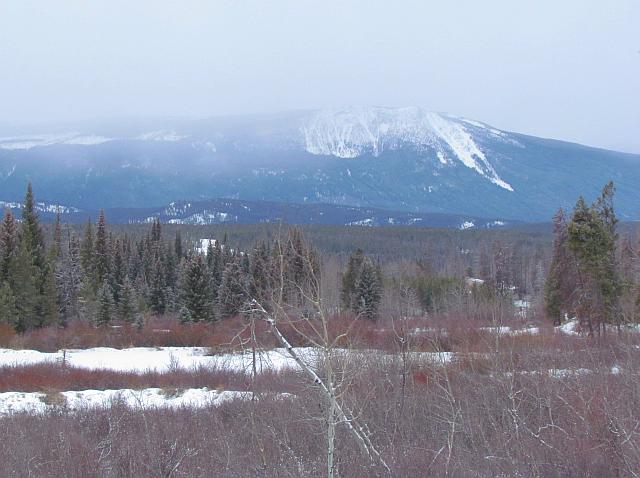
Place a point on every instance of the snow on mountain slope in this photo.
(466, 150)
(31, 141)
(161, 135)
(26, 142)
(353, 132)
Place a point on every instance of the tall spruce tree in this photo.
(86, 250)
(350, 279)
(127, 307)
(34, 253)
(368, 291)
(8, 246)
(101, 253)
(26, 291)
(69, 279)
(232, 293)
(196, 295)
(592, 238)
(158, 289)
(105, 311)
(260, 284)
(8, 309)
(560, 284)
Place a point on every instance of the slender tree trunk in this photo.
(331, 420)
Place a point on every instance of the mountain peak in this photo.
(353, 132)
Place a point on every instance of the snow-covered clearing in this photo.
(36, 402)
(165, 359)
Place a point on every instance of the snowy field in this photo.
(166, 359)
(159, 359)
(163, 359)
(36, 402)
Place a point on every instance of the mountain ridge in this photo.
(401, 159)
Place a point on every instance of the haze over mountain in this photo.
(403, 159)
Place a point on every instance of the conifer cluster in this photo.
(104, 277)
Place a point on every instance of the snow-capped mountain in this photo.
(355, 132)
(405, 159)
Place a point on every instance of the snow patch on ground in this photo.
(569, 328)
(36, 402)
(165, 359)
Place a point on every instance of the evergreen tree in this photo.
(31, 233)
(118, 269)
(156, 231)
(8, 246)
(8, 309)
(69, 280)
(127, 307)
(232, 293)
(260, 285)
(104, 314)
(195, 291)
(561, 279)
(86, 251)
(210, 254)
(368, 291)
(216, 269)
(158, 291)
(350, 279)
(302, 270)
(25, 290)
(592, 238)
(34, 253)
(177, 246)
(101, 256)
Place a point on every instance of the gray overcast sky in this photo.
(567, 69)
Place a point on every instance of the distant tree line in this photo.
(104, 277)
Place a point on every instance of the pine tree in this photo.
(232, 293)
(8, 246)
(69, 280)
(158, 289)
(118, 269)
(156, 231)
(195, 291)
(560, 283)
(8, 309)
(25, 290)
(86, 251)
(45, 309)
(127, 307)
(592, 238)
(216, 269)
(104, 314)
(302, 269)
(31, 232)
(260, 285)
(185, 315)
(350, 279)
(210, 254)
(368, 291)
(101, 257)
(177, 246)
